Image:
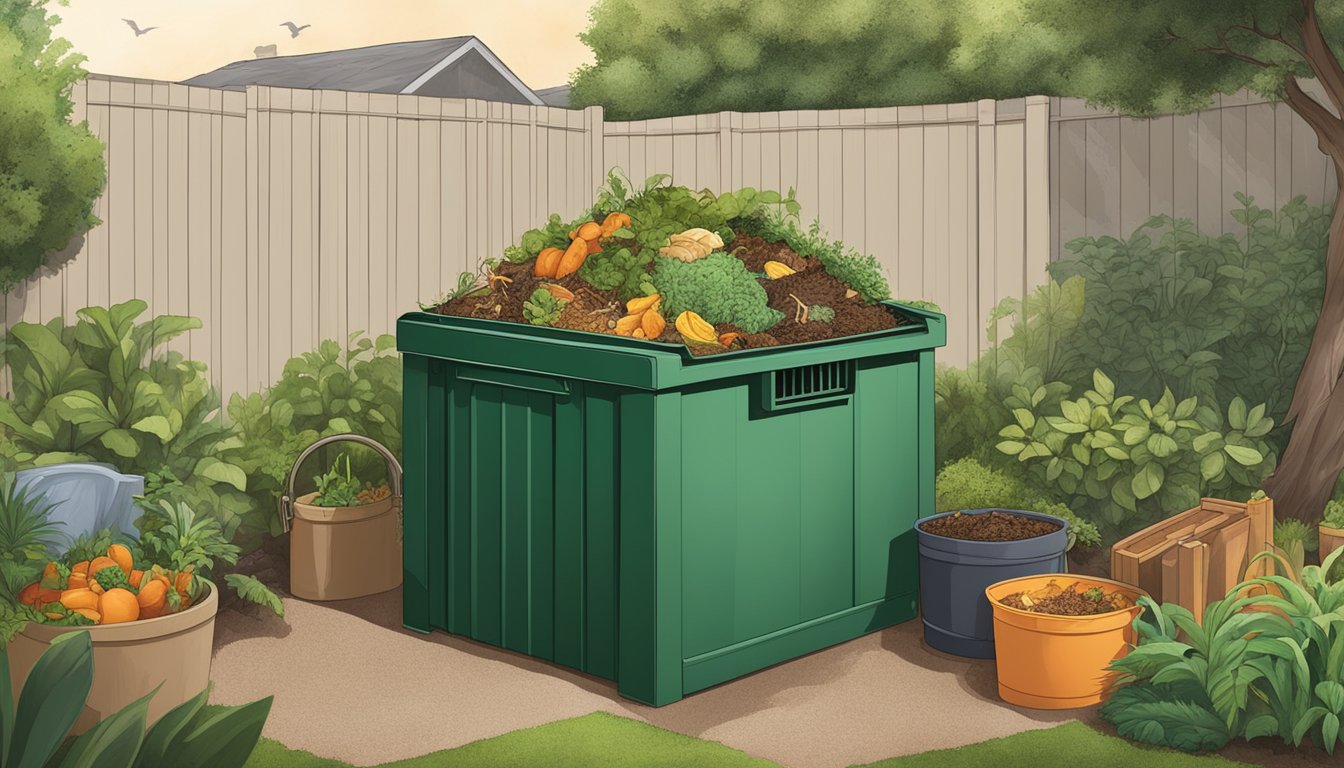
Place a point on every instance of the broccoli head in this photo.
(718, 288)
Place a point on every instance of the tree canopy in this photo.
(51, 170)
(666, 57)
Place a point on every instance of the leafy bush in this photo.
(102, 389)
(1273, 670)
(718, 288)
(622, 268)
(52, 166)
(1214, 317)
(325, 392)
(54, 696)
(968, 484)
(1118, 456)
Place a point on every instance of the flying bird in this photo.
(136, 28)
(295, 29)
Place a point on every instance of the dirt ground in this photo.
(350, 683)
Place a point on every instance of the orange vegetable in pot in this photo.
(79, 598)
(573, 258)
(99, 563)
(547, 261)
(77, 581)
(136, 577)
(90, 614)
(81, 567)
(119, 554)
(28, 595)
(118, 605)
(51, 577)
(95, 587)
(152, 599)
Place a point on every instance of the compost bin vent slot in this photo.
(810, 382)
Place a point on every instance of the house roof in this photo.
(555, 96)
(388, 68)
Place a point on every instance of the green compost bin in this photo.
(664, 521)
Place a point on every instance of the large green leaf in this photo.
(1246, 457)
(1165, 716)
(154, 749)
(223, 739)
(52, 699)
(158, 426)
(1148, 481)
(6, 701)
(48, 353)
(121, 442)
(114, 742)
(218, 471)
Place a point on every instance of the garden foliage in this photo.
(105, 389)
(862, 272)
(1275, 670)
(1146, 372)
(51, 168)
(967, 484)
(36, 730)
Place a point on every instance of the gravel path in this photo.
(350, 683)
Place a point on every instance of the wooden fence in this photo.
(282, 217)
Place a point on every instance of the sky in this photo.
(537, 39)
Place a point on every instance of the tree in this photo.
(677, 57)
(1174, 55)
(51, 170)
(656, 57)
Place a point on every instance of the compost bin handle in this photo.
(393, 470)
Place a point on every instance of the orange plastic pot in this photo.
(1058, 662)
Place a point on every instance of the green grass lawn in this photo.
(598, 739)
(1064, 743)
(606, 740)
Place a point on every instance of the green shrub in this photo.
(967, 484)
(1238, 673)
(103, 389)
(53, 166)
(26, 535)
(968, 417)
(1213, 317)
(718, 288)
(325, 392)
(1123, 460)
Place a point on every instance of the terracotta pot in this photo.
(338, 553)
(131, 658)
(1331, 539)
(1058, 662)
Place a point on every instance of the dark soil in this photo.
(989, 526)
(597, 311)
(1067, 603)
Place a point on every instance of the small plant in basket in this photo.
(339, 487)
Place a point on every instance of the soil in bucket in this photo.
(1072, 600)
(989, 526)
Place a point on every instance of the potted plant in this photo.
(963, 552)
(346, 537)
(1331, 530)
(149, 608)
(1056, 635)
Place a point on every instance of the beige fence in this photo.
(283, 217)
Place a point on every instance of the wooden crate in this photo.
(1193, 557)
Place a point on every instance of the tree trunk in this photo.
(1305, 478)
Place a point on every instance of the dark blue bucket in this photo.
(953, 575)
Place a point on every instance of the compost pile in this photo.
(989, 526)
(1072, 600)
(714, 272)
